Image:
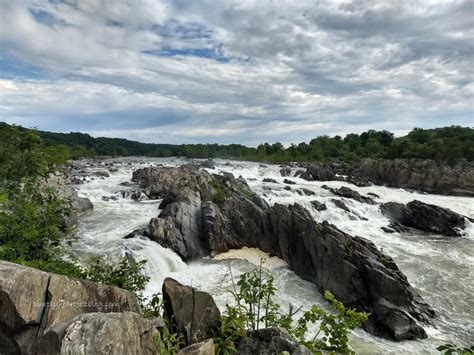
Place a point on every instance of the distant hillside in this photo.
(451, 144)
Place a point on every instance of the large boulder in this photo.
(426, 217)
(424, 175)
(34, 302)
(318, 172)
(347, 192)
(109, 333)
(193, 313)
(352, 268)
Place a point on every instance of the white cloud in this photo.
(293, 70)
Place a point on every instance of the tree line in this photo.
(450, 144)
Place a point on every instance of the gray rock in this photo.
(319, 206)
(109, 333)
(193, 312)
(270, 180)
(347, 192)
(203, 348)
(425, 217)
(289, 182)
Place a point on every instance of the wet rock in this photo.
(101, 173)
(424, 175)
(285, 171)
(317, 172)
(273, 181)
(209, 164)
(136, 233)
(347, 192)
(425, 217)
(307, 192)
(193, 312)
(373, 195)
(289, 182)
(203, 348)
(319, 206)
(287, 188)
(126, 183)
(343, 206)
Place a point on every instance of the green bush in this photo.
(451, 349)
(254, 307)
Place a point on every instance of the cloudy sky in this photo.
(228, 71)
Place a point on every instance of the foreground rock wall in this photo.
(208, 214)
(44, 313)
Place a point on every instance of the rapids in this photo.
(440, 268)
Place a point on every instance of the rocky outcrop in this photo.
(193, 313)
(38, 307)
(424, 175)
(425, 217)
(211, 214)
(270, 341)
(317, 172)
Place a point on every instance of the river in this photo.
(439, 268)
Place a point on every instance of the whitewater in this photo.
(439, 268)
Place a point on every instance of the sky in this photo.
(226, 71)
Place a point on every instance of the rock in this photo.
(373, 194)
(270, 180)
(101, 173)
(193, 312)
(358, 181)
(289, 182)
(109, 333)
(105, 198)
(319, 206)
(136, 233)
(262, 166)
(287, 188)
(113, 170)
(203, 348)
(33, 303)
(424, 175)
(197, 224)
(317, 172)
(352, 214)
(344, 191)
(285, 171)
(425, 217)
(269, 341)
(307, 192)
(126, 183)
(209, 164)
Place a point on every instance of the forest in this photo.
(449, 144)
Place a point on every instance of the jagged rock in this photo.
(285, 171)
(203, 348)
(425, 217)
(346, 192)
(209, 164)
(351, 267)
(109, 333)
(287, 188)
(319, 206)
(126, 183)
(373, 194)
(358, 181)
(317, 172)
(136, 233)
(193, 313)
(269, 341)
(424, 175)
(307, 192)
(33, 302)
(289, 182)
(352, 214)
(270, 180)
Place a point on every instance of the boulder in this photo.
(209, 164)
(109, 333)
(317, 172)
(347, 192)
(33, 302)
(289, 182)
(425, 217)
(319, 206)
(339, 203)
(285, 171)
(270, 180)
(193, 313)
(203, 348)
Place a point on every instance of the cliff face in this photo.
(424, 175)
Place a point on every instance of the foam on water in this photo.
(441, 269)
